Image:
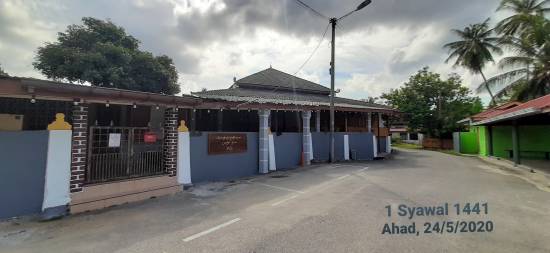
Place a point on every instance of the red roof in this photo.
(538, 103)
(504, 111)
(491, 112)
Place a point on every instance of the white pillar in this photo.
(456, 142)
(346, 147)
(375, 146)
(369, 122)
(310, 143)
(58, 169)
(318, 121)
(380, 122)
(306, 137)
(263, 142)
(272, 163)
(388, 144)
(184, 156)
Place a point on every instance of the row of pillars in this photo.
(307, 141)
(192, 123)
(265, 131)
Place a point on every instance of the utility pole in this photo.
(332, 73)
(333, 22)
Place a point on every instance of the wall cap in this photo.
(183, 127)
(59, 123)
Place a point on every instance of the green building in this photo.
(512, 131)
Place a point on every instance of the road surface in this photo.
(325, 208)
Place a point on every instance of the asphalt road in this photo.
(329, 208)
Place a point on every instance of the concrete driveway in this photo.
(329, 208)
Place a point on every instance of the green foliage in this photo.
(474, 49)
(101, 53)
(526, 34)
(523, 14)
(2, 72)
(434, 105)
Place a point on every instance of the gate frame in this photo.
(130, 153)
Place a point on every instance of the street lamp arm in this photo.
(359, 7)
(349, 13)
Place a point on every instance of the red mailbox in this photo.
(149, 137)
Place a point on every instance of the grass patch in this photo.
(407, 146)
(449, 152)
(414, 146)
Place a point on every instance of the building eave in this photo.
(464, 121)
(255, 100)
(510, 116)
(50, 90)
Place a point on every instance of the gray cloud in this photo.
(185, 36)
(287, 16)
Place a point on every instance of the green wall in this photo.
(502, 141)
(531, 138)
(482, 138)
(469, 142)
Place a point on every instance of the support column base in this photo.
(54, 213)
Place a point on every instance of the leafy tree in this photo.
(101, 53)
(2, 72)
(474, 49)
(433, 105)
(372, 100)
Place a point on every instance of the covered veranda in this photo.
(520, 134)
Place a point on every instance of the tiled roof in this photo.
(249, 95)
(491, 112)
(272, 78)
(539, 103)
(535, 106)
(276, 87)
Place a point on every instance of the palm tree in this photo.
(526, 33)
(524, 11)
(529, 76)
(475, 49)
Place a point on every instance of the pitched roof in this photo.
(491, 112)
(273, 78)
(271, 86)
(261, 96)
(52, 90)
(535, 106)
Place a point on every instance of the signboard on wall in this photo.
(149, 137)
(114, 140)
(11, 122)
(226, 144)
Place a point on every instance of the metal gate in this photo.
(117, 153)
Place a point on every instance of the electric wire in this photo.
(311, 9)
(301, 66)
(314, 50)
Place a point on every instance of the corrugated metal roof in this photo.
(248, 95)
(491, 112)
(538, 103)
(532, 107)
(52, 90)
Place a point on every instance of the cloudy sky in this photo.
(211, 41)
